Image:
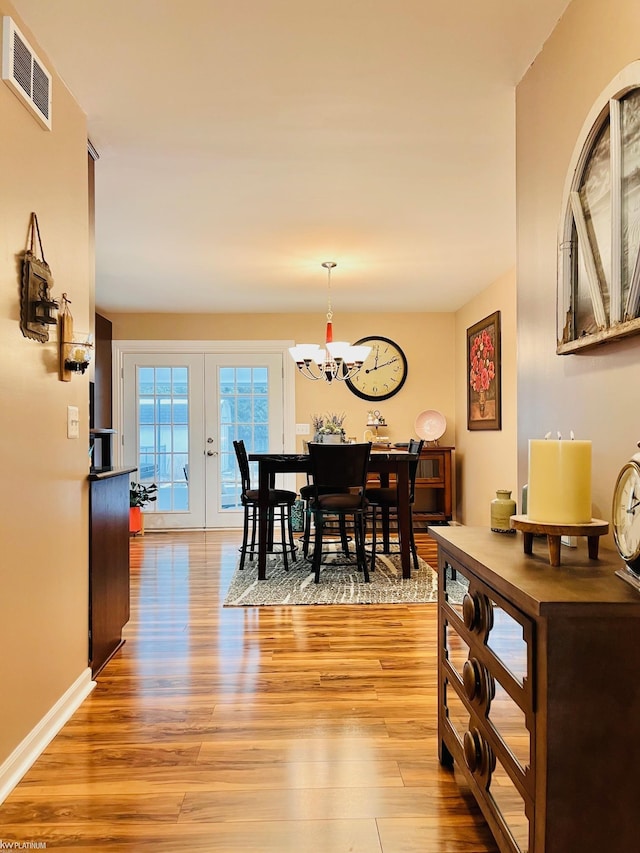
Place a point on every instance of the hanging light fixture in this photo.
(337, 360)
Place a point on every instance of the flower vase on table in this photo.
(328, 429)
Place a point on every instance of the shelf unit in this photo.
(433, 497)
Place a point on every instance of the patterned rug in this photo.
(339, 584)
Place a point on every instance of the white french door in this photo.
(243, 400)
(163, 427)
(181, 413)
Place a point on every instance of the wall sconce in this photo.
(78, 353)
(76, 349)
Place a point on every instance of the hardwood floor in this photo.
(250, 729)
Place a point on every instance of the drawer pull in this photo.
(471, 679)
(478, 683)
(477, 612)
(472, 750)
(478, 755)
(471, 612)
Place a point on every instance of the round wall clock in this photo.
(383, 373)
(625, 513)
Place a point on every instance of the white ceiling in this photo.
(243, 142)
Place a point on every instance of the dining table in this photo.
(382, 462)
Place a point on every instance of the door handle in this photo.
(212, 452)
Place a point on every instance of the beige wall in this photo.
(427, 341)
(486, 460)
(594, 393)
(43, 499)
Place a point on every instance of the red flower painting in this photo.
(482, 369)
(484, 405)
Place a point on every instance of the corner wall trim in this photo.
(25, 754)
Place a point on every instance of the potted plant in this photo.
(329, 429)
(139, 495)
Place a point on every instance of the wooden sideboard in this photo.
(538, 691)
(433, 497)
(108, 564)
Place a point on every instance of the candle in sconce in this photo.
(559, 481)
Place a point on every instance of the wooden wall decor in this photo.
(599, 236)
(36, 303)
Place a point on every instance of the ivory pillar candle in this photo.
(559, 481)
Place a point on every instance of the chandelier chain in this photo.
(329, 265)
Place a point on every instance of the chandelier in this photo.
(337, 360)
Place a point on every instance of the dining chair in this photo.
(280, 503)
(384, 500)
(339, 478)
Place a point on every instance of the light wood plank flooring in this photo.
(262, 729)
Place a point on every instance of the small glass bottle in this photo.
(502, 508)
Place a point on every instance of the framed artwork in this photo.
(484, 403)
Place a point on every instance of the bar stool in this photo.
(280, 503)
(386, 500)
(339, 473)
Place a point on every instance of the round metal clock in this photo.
(625, 513)
(383, 373)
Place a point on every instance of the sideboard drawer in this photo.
(487, 698)
(473, 749)
(497, 631)
(486, 695)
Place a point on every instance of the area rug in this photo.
(339, 584)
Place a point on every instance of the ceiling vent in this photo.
(24, 73)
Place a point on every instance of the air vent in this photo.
(24, 73)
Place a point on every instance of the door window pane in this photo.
(244, 415)
(163, 435)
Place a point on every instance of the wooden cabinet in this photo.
(433, 497)
(538, 691)
(108, 564)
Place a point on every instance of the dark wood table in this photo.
(381, 462)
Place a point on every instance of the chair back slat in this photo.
(243, 465)
(339, 466)
(415, 446)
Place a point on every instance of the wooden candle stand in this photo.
(554, 532)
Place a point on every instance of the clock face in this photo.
(383, 373)
(626, 515)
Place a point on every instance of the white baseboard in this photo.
(24, 755)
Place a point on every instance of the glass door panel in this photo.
(247, 405)
(163, 434)
(163, 442)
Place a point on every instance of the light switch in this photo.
(73, 422)
(302, 429)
